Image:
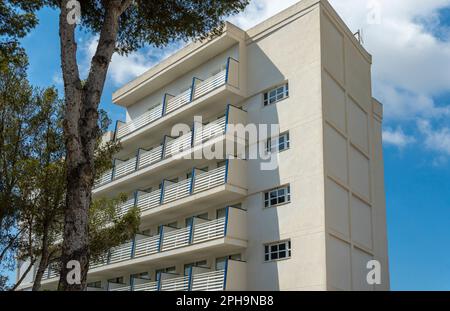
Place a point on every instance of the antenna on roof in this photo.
(359, 36)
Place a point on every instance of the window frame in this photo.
(269, 250)
(267, 196)
(277, 93)
(286, 143)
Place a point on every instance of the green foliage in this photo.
(159, 22)
(106, 230)
(17, 18)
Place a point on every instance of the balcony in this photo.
(228, 233)
(217, 89)
(218, 186)
(151, 165)
(232, 277)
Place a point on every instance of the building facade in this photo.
(314, 221)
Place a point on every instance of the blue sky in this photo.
(410, 44)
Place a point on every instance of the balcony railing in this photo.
(172, 103)
(168, 239)
(172, 147)
(212, 280)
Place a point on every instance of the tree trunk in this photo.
(81, 134)
(43, 263)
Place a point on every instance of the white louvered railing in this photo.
(146, 118)
(125, 168)
(210, 281)
(210, 84)
(211, 179)
(178, 145)
(124, 208)
(210, 130)
(147, 158)
(120, 253)
(124, 288)
(175, 284)
(177, 190)
(175, 239)
(178, 101)
(149, 200)
(104, 179)
(146, 246)
(209, 230)
(146, 287)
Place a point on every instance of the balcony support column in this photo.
(138, 156)
(161, 237)
(113, 171)
(133, 247)
(227, 168)
(191, 189)
(227, 214)
(225, 275)
(190, 279)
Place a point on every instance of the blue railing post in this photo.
(113, 171)
(227, 214)
(158, 281)
(163, 152)
(225, 275)
(192, 89)
(131, 283)
(136, 198)
(108, 258)
(164, 105)
(115, 130)
(191, 188)
(133, 247)
(138, 156)
(193, 134)
(227, 117)
(161, 237)
(161, 195)
(227, 70)
(190, 279)
(227, 167)
(191, 231)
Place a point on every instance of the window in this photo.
(189, 220)
(276, 94)
(171, 225)
(221, 212)
(116, 280)
(143, 276)
(220, 262)
(166, 270)
(280, 143)
(97, 284)
(188, 266)
(278, 250)
(277, 196)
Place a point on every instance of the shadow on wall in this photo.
(263, 223)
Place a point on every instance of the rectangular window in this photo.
(188, 266)
(277, 196)
(278, 250)
(166, 270)
(118, 280)
(279, 143)
(97, 284)
(275, 95)
(220, 262)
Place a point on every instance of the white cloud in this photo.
(397, 137)
(125, 68)
(435, 139)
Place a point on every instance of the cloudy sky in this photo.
(410, 44)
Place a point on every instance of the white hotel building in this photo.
(312, 223)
